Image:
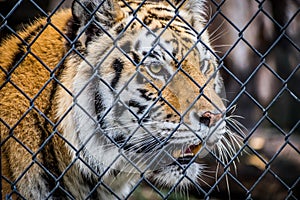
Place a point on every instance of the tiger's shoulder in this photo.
(38, 38)
(29, 59)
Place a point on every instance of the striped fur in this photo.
(135, 74)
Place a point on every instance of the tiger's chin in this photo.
(177, 175)
(183, 170)
(179, 168)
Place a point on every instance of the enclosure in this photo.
(257, 45)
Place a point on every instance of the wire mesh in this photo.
(260, 66)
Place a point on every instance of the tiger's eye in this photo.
(155, 68)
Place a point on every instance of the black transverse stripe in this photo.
(99, 108)
(98, 104)
(118, 66)
(163, 9)
(144, 94)
(141, 108)
(136, 58)
(50, 161)
(160, 18)
(72, 28)
(20, 52)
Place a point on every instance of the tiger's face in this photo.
(147, 96)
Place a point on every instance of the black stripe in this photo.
(119, 139)
(118, 67)
(137, 45)
(119, 29)
(91, 32)
(160, 18)
(72, 28)
(126, 47)
(187, 40)
(99, 108)
(136, 58)
(204, 64)
(50, 160)
(163, 9)
(98, 104)
(144, 94)
(147, 20)
(20, 52)
(135, 104)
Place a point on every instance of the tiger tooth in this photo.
(187, 154)
(195, 149)
(190, 151)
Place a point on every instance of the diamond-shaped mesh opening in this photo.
(291, 117)
(256, 47)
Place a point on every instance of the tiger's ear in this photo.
(95, 16)
(195, 11)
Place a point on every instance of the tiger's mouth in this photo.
(186, 156)
(153, 158)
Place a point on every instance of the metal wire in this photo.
(248, 191)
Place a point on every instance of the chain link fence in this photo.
(257, 46)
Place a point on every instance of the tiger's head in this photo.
(147, 95)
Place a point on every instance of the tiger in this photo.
(99, 97)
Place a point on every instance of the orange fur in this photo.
(48, 103)
(27, 94)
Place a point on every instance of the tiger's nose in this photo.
(209, 119)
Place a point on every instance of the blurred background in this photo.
(258, 45)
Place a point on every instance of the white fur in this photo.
(86, 132)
